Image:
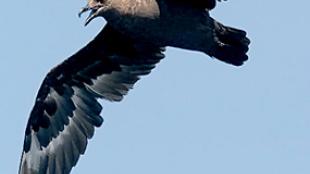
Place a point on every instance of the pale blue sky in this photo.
(192, 114)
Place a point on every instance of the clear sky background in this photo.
(192, 114)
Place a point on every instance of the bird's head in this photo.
(96, 8)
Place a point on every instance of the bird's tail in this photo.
(231, 44)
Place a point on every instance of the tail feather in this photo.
(231, 44)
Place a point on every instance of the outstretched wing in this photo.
(66, 108)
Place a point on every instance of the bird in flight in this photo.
(66, 109)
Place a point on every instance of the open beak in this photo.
(93, 12)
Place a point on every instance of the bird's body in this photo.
(183, 24)
(66, 109)
(162, 23)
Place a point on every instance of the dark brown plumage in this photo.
(66, 109)
(208, 4)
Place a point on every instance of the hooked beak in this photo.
(93, 12)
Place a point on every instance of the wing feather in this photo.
(66, 110)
